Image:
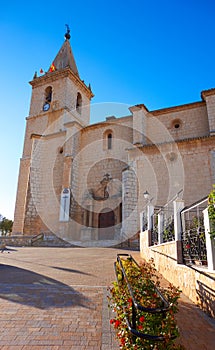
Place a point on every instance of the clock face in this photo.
(46, 106)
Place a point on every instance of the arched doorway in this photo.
(106, 224)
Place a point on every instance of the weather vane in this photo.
(67, 35)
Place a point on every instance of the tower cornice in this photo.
(50, 77)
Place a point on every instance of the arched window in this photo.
(79, 102)
(109, 141)
(108, 137)
(48, 94)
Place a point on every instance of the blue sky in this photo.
(160, 53)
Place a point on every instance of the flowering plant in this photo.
(211, 211)
(144, 282)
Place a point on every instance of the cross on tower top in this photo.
(67, 35)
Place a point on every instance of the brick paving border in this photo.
(108, 335)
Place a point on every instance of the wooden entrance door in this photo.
(106, 224)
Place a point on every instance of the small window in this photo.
(176, 124)
(79, 102)
(109, 140)
(48, 94)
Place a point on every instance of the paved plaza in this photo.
(56, 299)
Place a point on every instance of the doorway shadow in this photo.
(33, 289)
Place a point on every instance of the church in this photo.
(84, 183)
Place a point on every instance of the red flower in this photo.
(122, 340)
(140, 327)
(117, 323)
(187, 246)
(112, 321)
(142, 319)
(129, 302)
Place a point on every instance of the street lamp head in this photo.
(146, 195)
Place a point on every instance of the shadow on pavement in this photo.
(7, 249)
(29, 288)
(196, 328)
(71, 270)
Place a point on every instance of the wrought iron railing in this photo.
(167, 233)
(168, 227)
(131, 322)
(193, 234)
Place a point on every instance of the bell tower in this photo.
(60, 106)
(61, 88)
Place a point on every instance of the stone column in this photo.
(160, 226)
(67, 167)
(150, 212)
(178, 205)
(141, 221)
(91, 216)
(129, 203)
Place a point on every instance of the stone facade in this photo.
(106, 167)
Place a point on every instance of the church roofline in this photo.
(208, 92)
(168, 109)
(107, 122)
(178, 108)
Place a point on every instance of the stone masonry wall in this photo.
(180, 123)
(165, 170)
(45, 185)
(170, 124)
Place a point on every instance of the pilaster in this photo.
(20, 207)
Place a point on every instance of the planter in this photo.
(144, 312)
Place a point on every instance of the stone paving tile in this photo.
(56, 299)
